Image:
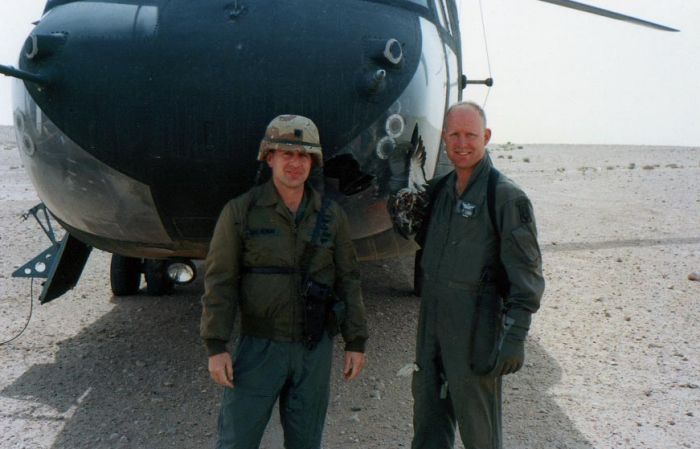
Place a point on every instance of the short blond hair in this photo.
(467, 104)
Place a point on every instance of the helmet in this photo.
(291, 132)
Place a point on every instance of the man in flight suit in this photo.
(472, 264)
(257, 262)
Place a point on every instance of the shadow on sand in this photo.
(139, 379)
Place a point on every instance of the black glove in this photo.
(512, 356)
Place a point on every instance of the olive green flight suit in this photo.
(253, 266)
(459, 243)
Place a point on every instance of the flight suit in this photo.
(460, 243)
(254, 266)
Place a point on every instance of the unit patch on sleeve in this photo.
(523, 206)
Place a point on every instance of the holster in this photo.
(488, 326)
(322, 312)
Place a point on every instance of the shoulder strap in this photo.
(244, 231)
(432, 196)
(491, 200)
(321, 221)
(500, 275)
(438, 187)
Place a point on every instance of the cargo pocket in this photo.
(487, 331)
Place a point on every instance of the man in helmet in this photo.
(281, 257)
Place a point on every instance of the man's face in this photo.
(465, 138)
(290, 168)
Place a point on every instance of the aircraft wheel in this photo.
(125, 275)
(157, 280)
(418, 274)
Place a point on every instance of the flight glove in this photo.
(512, 356)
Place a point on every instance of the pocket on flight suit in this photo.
(466, 239)
(526, 243)
(487, 332)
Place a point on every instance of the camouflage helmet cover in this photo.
(291, 133)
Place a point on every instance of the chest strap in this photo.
(321, 222)
(270, 270)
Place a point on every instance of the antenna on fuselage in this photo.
(21, 74)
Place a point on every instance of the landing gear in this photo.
(160, 275)
(158, 282)
(125, 275)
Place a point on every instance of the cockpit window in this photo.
(441, 14)
(453, 13)
(446, 14)
(420, 2)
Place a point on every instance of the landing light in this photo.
(394, 125)
(182, 272)
(393, 51)
(39, 268)
(19, 121)
(385, 147)
(27, 144)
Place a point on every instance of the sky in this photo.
(564, 76)
(561, 76)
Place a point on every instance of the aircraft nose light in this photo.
(27, 144)
(41, 45)
(385, 147)
(393, 51)
(182, 272)
(395, 125)
(31, 48)
(19, 121)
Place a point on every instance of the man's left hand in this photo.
(512, 356)
(354, 362)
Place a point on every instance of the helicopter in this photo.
(137, 120)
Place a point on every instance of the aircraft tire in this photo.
(125, 275)
(158, 282)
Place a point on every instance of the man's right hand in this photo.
(221, 369)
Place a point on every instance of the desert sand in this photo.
(613, 360)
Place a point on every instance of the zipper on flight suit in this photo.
(446, 240)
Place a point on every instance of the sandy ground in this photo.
(613, 361)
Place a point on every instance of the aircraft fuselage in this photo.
(153, 110)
